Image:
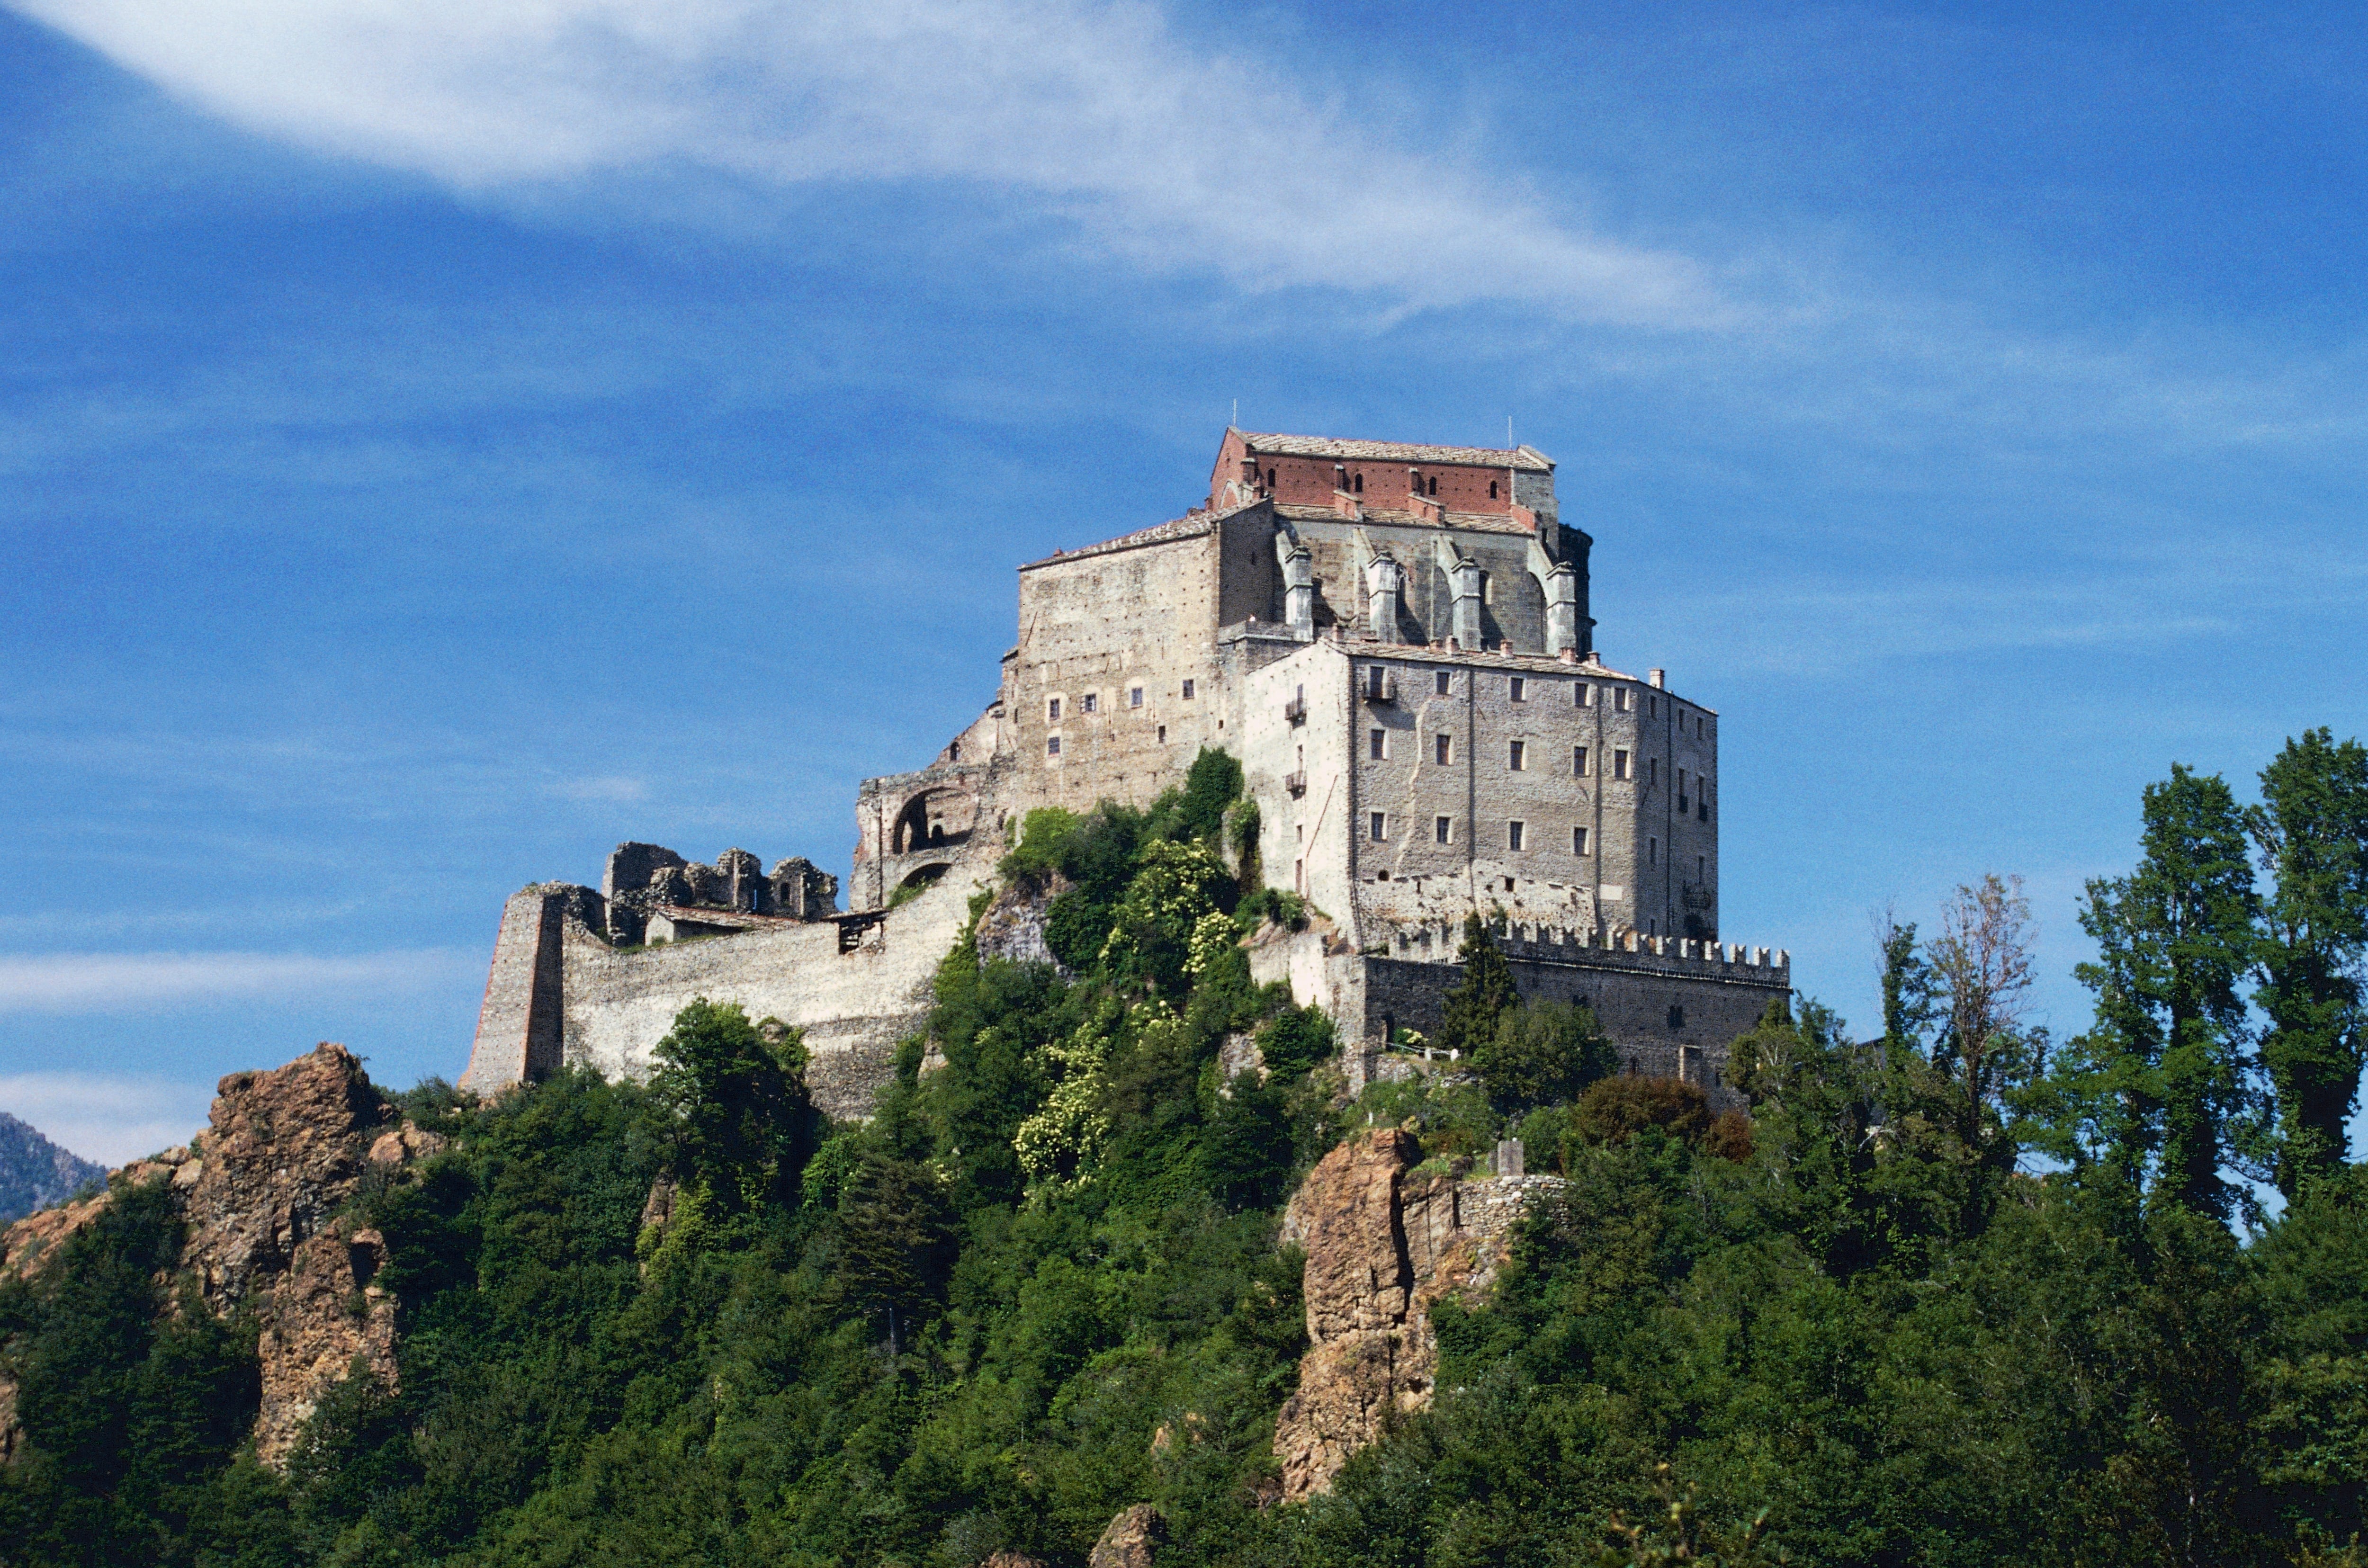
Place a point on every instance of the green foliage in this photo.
(2311, 831)
(1542, 1053)
(734, 1114)
(1295, 1040)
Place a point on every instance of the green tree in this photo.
(2162, 1087)
(2311, 831)
(1542, 1053)
(733, 1106)
(897, 1244)
(1475, 1005)
(1908, 985)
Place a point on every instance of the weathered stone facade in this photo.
(1394, 640)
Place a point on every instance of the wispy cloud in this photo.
(1155, 144)
(611, 789)
(107, 1117)
(131, 982)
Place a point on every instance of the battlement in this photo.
(1542, 943)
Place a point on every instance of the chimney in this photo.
(1653, 679)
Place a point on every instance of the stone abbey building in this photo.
(1395, 641)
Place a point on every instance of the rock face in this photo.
(1012, 925)
(36, 1173)
(1131, 1540)
(1382, 1244)
(258, 1191)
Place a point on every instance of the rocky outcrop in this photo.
(1384, 1243)
(1011, 927)
(1130, 1540)
(258, 1191)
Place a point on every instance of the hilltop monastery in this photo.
(1394, 641)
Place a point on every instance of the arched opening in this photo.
(911, 829)
(1492, 490)
(1358, 484)
(920, 880)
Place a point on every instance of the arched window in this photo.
(1360, 484)
(1269, 479)
(1492, 490)
(1434, 486)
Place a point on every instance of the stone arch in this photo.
(931, 819)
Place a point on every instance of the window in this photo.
(1298, 876)
(1417, 484)
(1701, 870)
(1652, 770)
(1578, 841)
(1653, 708)
(1162, 734)
(1053, 746)
(1187, 691)
(1434, 486)
(1377, 680)
(1520, 689)
(1443, 829)
(1620, 696)
(1683, 802)
(1440, 682)
(1379, 827)
(1582, 694)
(1443, 748)
(1492, 490)
(1357, 485)
(1090, 702)
(1135, 697)
(1513, 834)
(1618, 764)
(1377, 745)
(1652, 852)
(1053, 711)
(1520, 754)
(1579, 762)
(1269, 479)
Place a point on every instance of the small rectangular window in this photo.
(1443, 749)
(1654, 709)
(1652, 770)
(1619, 699)
(1053, 711)
(1701, 870)
(1377, 745)
(1187, 691)
(1578, 841)
(1135, 697)
(1582, 694)
(1579, 762)
(1652, 852)
(1162, 734)
(1379, 827)
(1520, 689)
(1440, 682)
(1091, 703)
(1444, 829)
(1618, 764)
(1519, 752)
(1051, 745)
(1513, 835)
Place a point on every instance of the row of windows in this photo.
(1516, 833)
(1583, 694)
(1356, 484)
(1091, 703)
(1517, 760)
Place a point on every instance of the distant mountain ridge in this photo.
(36, 1173)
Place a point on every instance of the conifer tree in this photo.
(1473, 1007)
(2311, 829)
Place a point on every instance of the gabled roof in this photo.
(1526, 457)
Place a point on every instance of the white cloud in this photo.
(132, 983)
(1166, 148)
(614, 789)
(107, 1117)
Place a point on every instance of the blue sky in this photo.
(438, 441)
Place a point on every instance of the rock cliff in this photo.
(1384, 1243)
(259, 1191)
(36, 1173)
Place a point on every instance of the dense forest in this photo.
(1952, 1292)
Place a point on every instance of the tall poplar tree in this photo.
(2311, 829)
(2164, 1081)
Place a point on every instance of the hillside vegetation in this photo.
(1957, 1294)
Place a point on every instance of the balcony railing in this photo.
(1386, 689)
(1295, 711)
(1295, 782)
